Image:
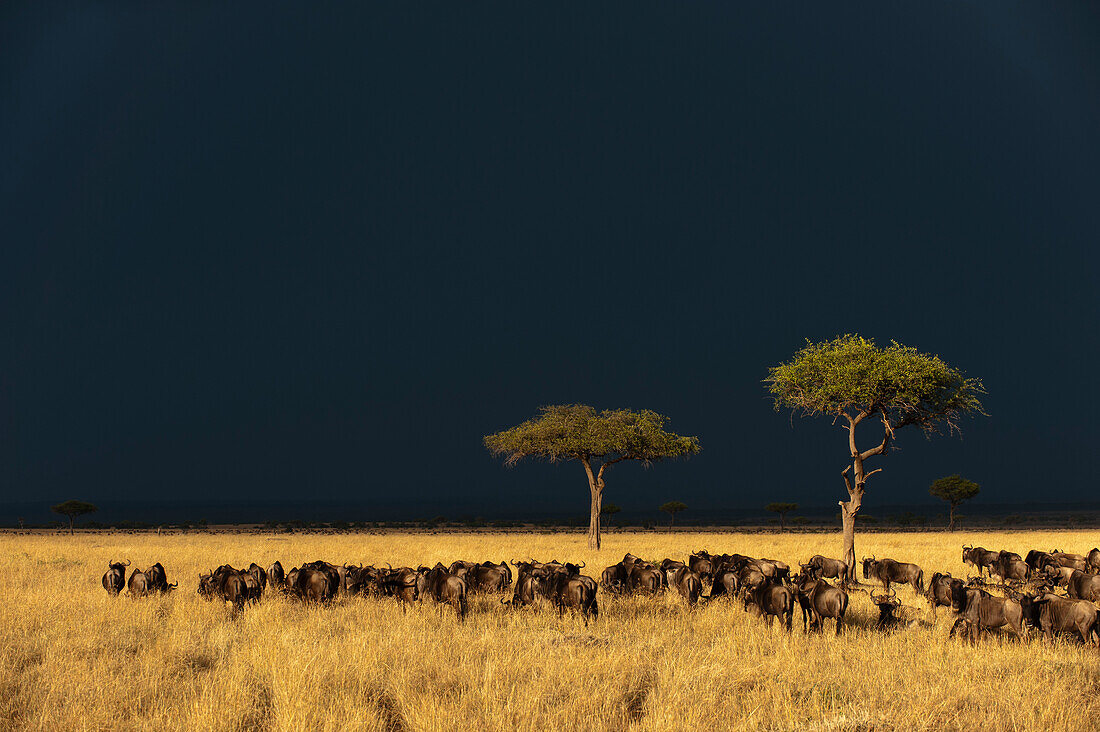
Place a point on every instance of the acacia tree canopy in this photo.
(72, 509)
(851, 380)
(597, 440)
(954, 490)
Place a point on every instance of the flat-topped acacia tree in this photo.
(597, 440)
(854, 382)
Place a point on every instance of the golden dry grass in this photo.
(73, 658)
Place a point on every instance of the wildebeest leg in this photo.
(839, 623)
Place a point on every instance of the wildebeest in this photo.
(1092, 561)
(226, 583)
(261, 576)
(157, 579)
(1036, 560)
(400, 583)
(939, 591)
(819, 567)
(1056, 576)
(687, 582)
(568, 590)
(978, 557)
(313, 583)
(645, 578)
(978, 610)
(138, 584)
(888, 571)
(1009, 569)
(276, 575)
(773, 600)
(1074, 561)
(461, 567)
(1083, 586)
(114, 579)
(819, 600)
(528, 590)
(443, 587)
(1053, 614)
(725, 583)
(888, 604)
(701, 564)
(487, 577)
(613, 579)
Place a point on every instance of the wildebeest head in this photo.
(869, 564)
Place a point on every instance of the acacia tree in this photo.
(672, 508)
(782, 509)
(72, 509)
(609, 510)
(854, 382)
(597, 440)
(954, 490)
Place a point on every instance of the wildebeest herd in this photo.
(1054, 592)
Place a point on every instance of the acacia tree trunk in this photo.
(595, 488)
(856, 486)
(782, 523)
(951, 524)
(70, 525)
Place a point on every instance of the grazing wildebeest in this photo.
(820, 567)
(1009, 569)
(1074, 561)
(138, 585)
(528, 590)
(1053, 614)
(1092, 561)
(443, 587)
(277, 576)
(701, 564)
(461, 567)
(645, 578)
(613, 579)
(333, 574)
(749, 578)
(400, 583)
(687, 582)
(1036, 560)
(887, 605)
(978, 610)
(226, 583)
(114, 579)
(725, 583)
(1056, 576)
(1083, 586)
(978, 557)
(261, 576)
(781, 571)
(889, 571)
(939, 591)
(819, 600)
(773, 600)
(313, 584)
(157, 579)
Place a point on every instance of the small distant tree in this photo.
(954, 490)
(597, 440)
(72, 509)
(609, 510)
(782, 509)
(672, 508)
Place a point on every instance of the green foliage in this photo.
(73, 509)
(954, 489)
(610, 509)
(577, 431)
(672, 507)
(781, 508)
(850, 375)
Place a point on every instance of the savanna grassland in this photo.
(73, 658)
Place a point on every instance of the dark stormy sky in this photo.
(264, 252)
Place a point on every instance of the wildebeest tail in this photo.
(920, 579)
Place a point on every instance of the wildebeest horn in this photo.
(127, 562)
(582, 565)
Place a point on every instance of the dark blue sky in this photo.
(267, 252)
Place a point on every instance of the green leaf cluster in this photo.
(672, 507)
(781, 507)
(954, 489)
(74, 508)
(577, 431)
(851, 376)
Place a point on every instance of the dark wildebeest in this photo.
(820, 567)
(261, 576)
(313, 584)
(819, 600)
(227, 583)
(939, 591)
(528, 589)
(157, 579)
(1056, 576)
(1053, 614)
(613, 579)
(460, 568)
(773, 600)
(888, 571)
(978, 610)
(332, 573)
(687, 582)
(781, 571)
(568, 590)
(979, 557)
(443, 587)
(1092, 561)
(645, 578)
(887, 605)
(1008, 569)
(114, 579)
(138, 585)
(725, 583)
(702, 564)
(1036, 560)
(749, 578)
(277, 576)
(486, 578)
(1073, 561)
(1083, 586)
(400, 583)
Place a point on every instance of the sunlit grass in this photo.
(73, 658)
